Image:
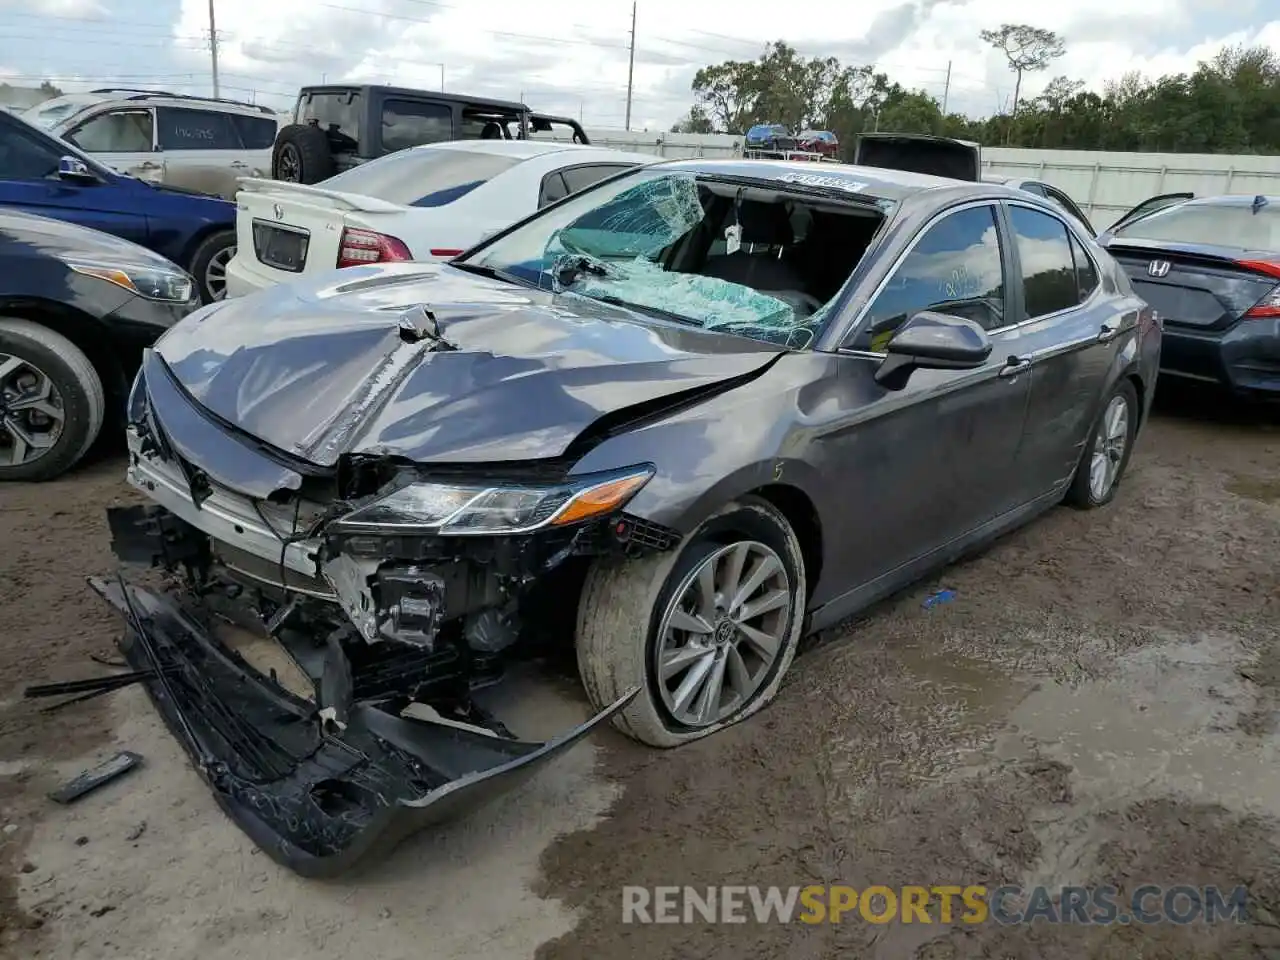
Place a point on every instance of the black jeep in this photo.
(337, 126)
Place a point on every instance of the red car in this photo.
(820, 141)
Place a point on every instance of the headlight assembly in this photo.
(467, 509)
(169, 285)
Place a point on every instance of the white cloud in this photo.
(571, 58)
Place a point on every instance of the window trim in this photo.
(995, 203)
(1097, 272)
(107, 111)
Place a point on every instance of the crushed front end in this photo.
(399, 600)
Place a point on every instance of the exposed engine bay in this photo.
(402, 636)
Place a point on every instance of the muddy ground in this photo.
(1098, 703)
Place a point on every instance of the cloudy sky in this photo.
(566, 56)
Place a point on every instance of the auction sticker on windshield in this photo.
(819, 180)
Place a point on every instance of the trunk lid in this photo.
(918, 153)
(1194, 286)
(322, 369)
(291, 229)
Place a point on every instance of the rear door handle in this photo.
(1014, 366)
(1107, 333)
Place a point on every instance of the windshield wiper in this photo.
(493, 273)
(647, 310)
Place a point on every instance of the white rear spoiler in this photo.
(347, 201)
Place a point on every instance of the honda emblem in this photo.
(1158, 268)
(279, 215)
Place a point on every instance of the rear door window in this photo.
(184, 129)
(1048, 270)
(411, 123)
(422, 178)
(119, 131)
(954, 269)
(256, 133)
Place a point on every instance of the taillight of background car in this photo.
(1269, 306)
(359, 247)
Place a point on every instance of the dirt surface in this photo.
(1097, 703)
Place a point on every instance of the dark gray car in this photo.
(675, 421)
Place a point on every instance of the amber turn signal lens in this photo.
(597, 500)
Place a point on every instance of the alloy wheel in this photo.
(32, 414)
(215, 273)
(722, 632)
(289, 164)
(1109, 445)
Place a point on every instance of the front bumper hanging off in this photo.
(319, 795)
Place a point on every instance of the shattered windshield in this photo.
(720, 255)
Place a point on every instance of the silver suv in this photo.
(197, 143)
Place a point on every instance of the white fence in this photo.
(1105, 185)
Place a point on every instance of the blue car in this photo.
(43, 175)
(771, 137)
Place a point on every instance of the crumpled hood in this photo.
(320, 368)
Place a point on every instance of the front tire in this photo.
(707, 632)
(1106, 454)
(51, 402)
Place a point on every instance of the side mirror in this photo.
(932, 341)
(73, 168)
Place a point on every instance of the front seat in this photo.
(765, 225)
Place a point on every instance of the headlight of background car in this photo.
(153, 282)
(461, 509)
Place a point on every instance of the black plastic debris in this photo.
(320, 787)
(95, 777)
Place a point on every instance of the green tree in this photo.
(1028, 49)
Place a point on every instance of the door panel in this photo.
(199, 148)
(932, 461)
(925, 464)
(1070, 334)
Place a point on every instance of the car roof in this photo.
(526, 149)
(1229, 200)
(415, 93)
(882, 182)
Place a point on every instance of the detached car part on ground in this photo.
(339, 126)
(77, 307)
(670, 422)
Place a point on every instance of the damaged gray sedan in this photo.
(666, 426)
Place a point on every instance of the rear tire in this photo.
(79, 395)
(623, 606)
(1107, 450)
(301, 154)
(209, 264)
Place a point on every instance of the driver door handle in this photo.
(1014, 366)
(1107, 333)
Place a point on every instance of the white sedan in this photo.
(424, 203)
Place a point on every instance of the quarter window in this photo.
(955, 269)
(553, 189)
(121, 131)
(579, 178)
(256, 133)
(182, 129)
(1048, 269)
(1086, 272)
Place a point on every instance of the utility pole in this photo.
(946, 91)
(442, 78)
(631, 62)
(213, 48)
